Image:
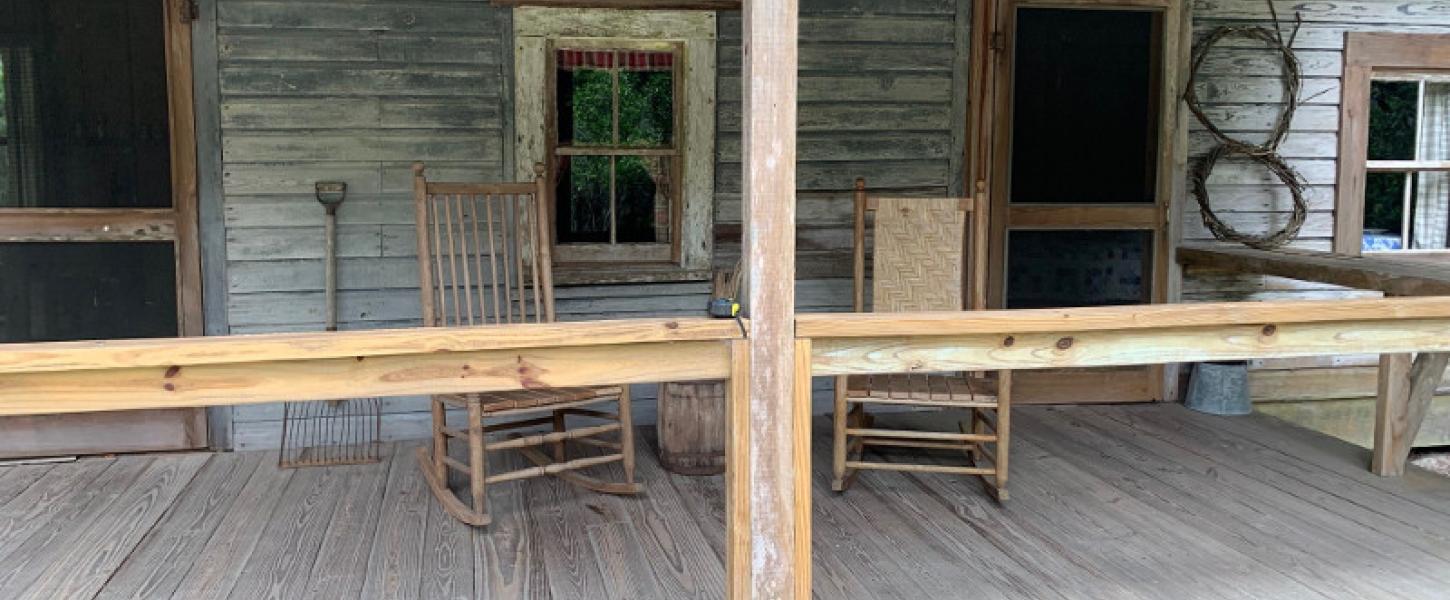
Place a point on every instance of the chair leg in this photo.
(436, 472)
(626, 434)
(838, 437)
(477, 458)
(1004, 434)
(440, 440)
(559, 426)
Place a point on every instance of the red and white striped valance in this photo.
(629, 60)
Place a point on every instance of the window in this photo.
(1407, 188)
(1394, 172)
(614, 157)
(620, 106)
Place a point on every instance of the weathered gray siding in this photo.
(1240, 83)
(357, 91)
(877, 96)
(353, 92)
(1240, 86)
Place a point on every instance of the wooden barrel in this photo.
(692, 427)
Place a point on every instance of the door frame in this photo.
(989, 158)
(178, 224)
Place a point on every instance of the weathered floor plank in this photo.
(396, 560)
(341, 564)
(1210, 500)
(215, 570)
(93, 557)
(158, 565)
(90, 500)
(281, 564)
(1139, 502)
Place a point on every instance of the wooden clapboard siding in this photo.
(876, 99)
(351, 92)
(1240, 87)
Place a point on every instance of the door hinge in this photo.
(999, 41)
(190, 11)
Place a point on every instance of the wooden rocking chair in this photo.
(918, 266)
(483, 259)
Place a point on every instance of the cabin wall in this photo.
(1240, 85)
(881, 96)
(352, 92)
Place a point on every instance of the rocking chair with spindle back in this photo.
(918, 265)
(483, 259)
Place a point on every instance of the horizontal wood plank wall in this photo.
(875, 101)
(351, 92)
(1240, 86)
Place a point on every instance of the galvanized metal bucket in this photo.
(1219, 388)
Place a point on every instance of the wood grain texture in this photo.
(1108, 500)
(1385, 273)
(837, 356)
(62, 356)
(768, 159)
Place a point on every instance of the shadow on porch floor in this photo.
(1108, 502)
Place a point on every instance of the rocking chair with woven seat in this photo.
(918, 265)
(483, 259)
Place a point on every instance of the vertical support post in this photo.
(1406, 389)
(773, 562)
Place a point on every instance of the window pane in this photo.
(646, 100)
(643, 192)
(1085, 105)
(86, 101)
(1384, 214)
(74, 291)
(1394, 108)
(584, 98)
(1053, 269)
(582, 199)
(1430, 211)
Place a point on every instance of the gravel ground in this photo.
(1438, 463)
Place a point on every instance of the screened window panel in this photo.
(1055, 269)
(86, 106)
(75, 291)
(1085, 116)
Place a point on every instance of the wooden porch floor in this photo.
(1108, 502)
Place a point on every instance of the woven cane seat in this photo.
(494, 402)
(922, 388)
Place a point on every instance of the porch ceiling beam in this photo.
(768, 547)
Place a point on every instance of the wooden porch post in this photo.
(768, 522)
(1406, 388)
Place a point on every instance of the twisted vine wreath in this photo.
(1265, 154)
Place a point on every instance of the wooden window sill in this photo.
(597, 274)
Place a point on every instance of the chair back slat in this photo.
(478, 252)
(917, 258)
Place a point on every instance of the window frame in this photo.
(615, 252)
(1370, 57)
(537, 31)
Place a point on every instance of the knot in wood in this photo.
(1064, 343)
(1270, 329)
(1009, 341)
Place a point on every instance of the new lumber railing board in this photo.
(182, 352)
